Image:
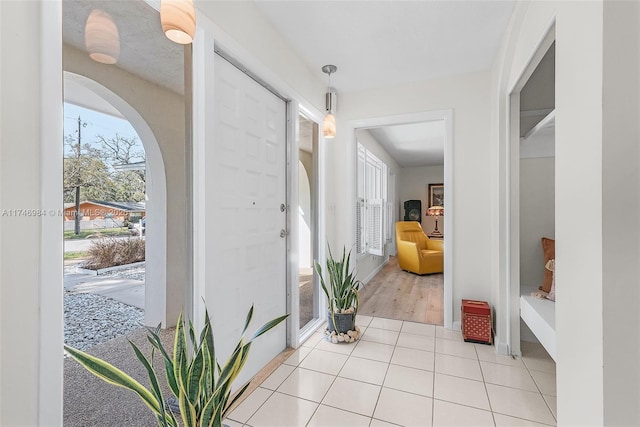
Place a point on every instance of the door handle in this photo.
(284, 233)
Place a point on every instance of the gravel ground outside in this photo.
(91, 319)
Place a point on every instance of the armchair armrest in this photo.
(435, 245)
(409, 255)
(407, 247)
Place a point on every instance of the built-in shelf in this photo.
(547, 122)
(539, 141)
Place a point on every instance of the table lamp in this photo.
(436, 211)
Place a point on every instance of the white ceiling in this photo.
(373, 43)
(415, 144)
(144, 50)
(387, 43)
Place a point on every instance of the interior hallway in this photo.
(397, 294)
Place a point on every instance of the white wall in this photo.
(597, 166)
(31, 330)
(413, 184)
(537, 216)
(469, 98)
(242, 27)
(621, 212)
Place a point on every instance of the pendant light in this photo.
(329, 123)
(101, 37)
(178, 18)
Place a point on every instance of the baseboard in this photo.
(376, 271)
(502, 348)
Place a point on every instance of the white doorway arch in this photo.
(156, 205)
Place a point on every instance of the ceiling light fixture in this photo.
(101, 37)
(329, 124)
(178, 18)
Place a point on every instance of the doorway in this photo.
(393, 212)
(309, 292)
(532, 182)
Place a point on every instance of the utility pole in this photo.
(78, 153)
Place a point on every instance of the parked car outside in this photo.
(138, 228)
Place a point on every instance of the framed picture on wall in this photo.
(436, 195)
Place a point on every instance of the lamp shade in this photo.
(329, 126)
(435, 211)
(178, 18)
(101, 37)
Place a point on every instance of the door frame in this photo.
(509, 285)
(300, 335)
(426, 116)
(209, 38)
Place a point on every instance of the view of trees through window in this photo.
(103, 159)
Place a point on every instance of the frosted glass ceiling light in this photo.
(329, 126)
(101, 37)
(329, 123)
(178, 18)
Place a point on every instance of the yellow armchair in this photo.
(416, 252)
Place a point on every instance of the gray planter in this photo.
(344, 322)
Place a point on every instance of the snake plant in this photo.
(342, 292)
(201, 385)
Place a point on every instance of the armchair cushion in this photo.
(416, 252)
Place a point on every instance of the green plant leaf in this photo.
(268, 326)
(180, 367)
(151, 373)
(237, 396)
(155, 341)
(187, 410)
(202, 385)
(208, 410)
(192, 335)
(343, 285)
(207, 336)
(112, 375)
(248, 320)
(195, 377)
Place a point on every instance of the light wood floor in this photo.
(397, 294)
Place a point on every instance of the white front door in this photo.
(247, 186)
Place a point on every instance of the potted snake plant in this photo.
(199, 383)
(342, 295)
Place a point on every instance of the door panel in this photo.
(248, 184)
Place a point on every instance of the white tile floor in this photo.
(407, 374)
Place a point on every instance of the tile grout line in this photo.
(433, 385)
(484, 382)
(540, 391)
(271, 392)
(332, 383)
(382, 385)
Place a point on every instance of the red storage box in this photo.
(476, 322)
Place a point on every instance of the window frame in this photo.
(372, 193)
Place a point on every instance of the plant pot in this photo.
(344, 322)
